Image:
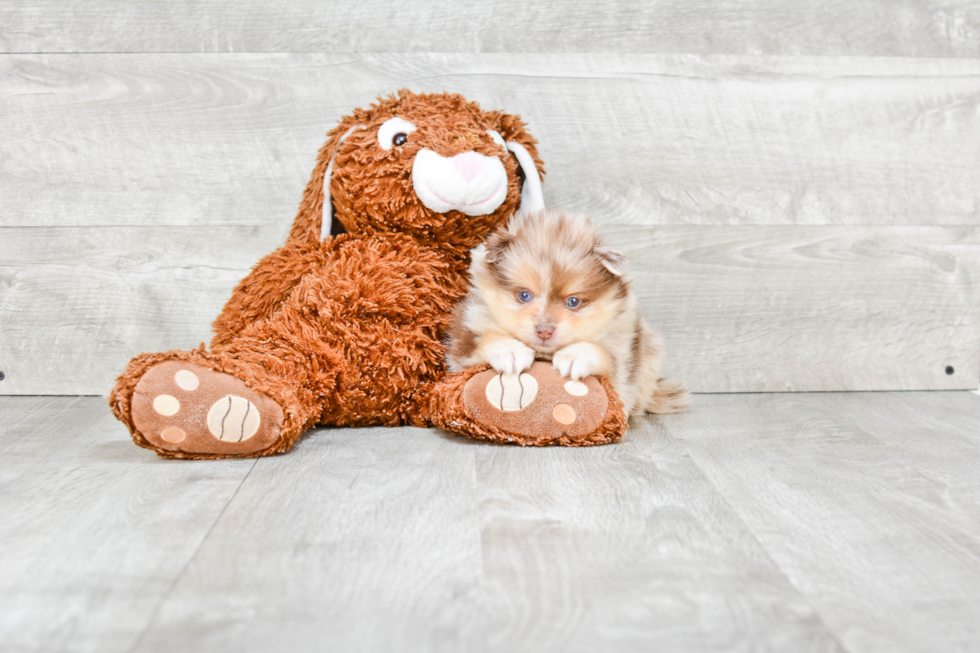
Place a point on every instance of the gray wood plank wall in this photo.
(741, 308)
(923, 28)
(796, 183)
(641, 139)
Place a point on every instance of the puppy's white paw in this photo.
(579, 360)
(509, 356)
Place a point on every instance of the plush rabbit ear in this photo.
(326, 217)
(532, 199)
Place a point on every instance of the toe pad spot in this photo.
(173, 435)
(186, 380)
(563, 414)
(166, 405)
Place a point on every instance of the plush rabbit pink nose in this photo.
(469, 164)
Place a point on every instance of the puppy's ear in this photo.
(612, 260)
(497, 246)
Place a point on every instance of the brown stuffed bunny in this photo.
(343, 324)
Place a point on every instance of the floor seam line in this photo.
(816, 612)
(190, 560)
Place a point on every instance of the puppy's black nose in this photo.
(544, 331)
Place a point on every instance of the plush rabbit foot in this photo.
(537, 407)
(180, 407)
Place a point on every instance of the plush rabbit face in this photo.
(435, 167)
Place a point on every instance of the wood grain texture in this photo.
(78, 303)
(926, 28)
(359, 539)
(624, 548)
(398, 539)
(776, 522)
(885, 549)
(93, 531)
(938, 433)
(741, 308)
(639, 139)
(764, 309)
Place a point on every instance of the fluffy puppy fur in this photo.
(546, 287)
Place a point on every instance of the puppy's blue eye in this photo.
(524, 296)
(573, 302)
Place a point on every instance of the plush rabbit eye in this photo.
(524, 296)
(573, 302)
(394, 133)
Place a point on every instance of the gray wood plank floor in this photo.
(789, 522)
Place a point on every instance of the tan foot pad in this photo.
(181, 406)
(538, 404)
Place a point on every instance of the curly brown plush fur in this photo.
(344, 330)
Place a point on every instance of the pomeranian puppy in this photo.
(546, 287)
